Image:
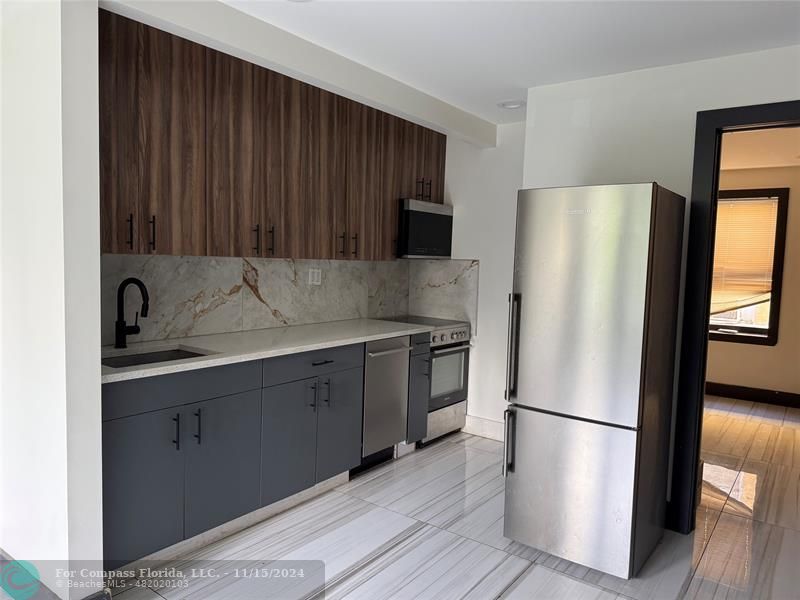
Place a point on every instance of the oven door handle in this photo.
(447, 351)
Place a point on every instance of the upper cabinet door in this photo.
(364, 207)
(438, 148)
(411, 172)
(171, 147)
(330, 216)
(300, 163)
(233, 216)
(392, 184)
(270, 133)
(119, 126)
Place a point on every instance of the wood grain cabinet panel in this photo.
(392, 183)
(270, 134)
(232, 213)
(364, 207)
(172, 144)
(330, 214)
(202, 153)
(119, 126)
(300, 168)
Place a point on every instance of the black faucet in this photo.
(122, 329)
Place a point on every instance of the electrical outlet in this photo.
(315, 277)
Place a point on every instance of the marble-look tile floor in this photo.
(430, 525)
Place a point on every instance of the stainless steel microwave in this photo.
(426, 230)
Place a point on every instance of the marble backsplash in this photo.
(205, 295)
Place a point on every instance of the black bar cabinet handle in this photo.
(428, 190)
(319, 363)
(199, 414)
(257, 247)
(129, 221)
(343, 237)
(313, 404)
(271, 248)
(177, 440)
(355, 246)
(329, 387)
(152, 242)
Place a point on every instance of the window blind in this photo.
(744, 252)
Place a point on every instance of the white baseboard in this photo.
(487, 428)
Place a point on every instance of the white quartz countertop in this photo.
(241, 346)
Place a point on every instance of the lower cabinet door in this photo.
(419, 392)
(339, 422)
(222, 439)
(143, 461)
(288, 438)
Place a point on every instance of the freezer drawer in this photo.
(570, 489)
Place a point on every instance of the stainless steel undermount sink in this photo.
(145, 358)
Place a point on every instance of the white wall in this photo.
(767, 367)
(81, 202)
(33, 433)
(639, 126)
(482, 186)
(49, 308)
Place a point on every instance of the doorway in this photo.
(711, 128)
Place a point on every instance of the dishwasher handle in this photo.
(387, 352)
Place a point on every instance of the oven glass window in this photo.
(447, 374)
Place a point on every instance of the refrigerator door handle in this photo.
(508, 442)
(513, 346)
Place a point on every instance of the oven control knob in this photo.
(452, 336)
(433, 339)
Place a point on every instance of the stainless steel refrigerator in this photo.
(591, 356)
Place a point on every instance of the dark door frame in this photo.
(710, 126)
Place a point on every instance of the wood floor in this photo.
(430, 526)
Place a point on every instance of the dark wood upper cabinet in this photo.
(269, 162)
(331, 217)
(232, 212)
(119, 126)
(438, 145)
(152, 140)
(300, 168)
(364, 207)
(172, 144)
(202, 153)
(392, 184)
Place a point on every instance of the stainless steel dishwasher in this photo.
(385, 393)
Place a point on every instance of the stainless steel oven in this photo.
(449, 375)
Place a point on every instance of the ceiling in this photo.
(761, 148)
(476, 54)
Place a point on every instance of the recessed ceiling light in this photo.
(511, 104)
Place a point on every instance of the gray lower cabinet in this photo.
(339, 422)
(143, 485)
(186, 452)
(222, 442)
(288, 434)
(419, 388)
(310, 431)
